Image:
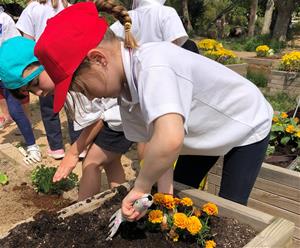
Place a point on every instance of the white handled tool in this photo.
(117, 218)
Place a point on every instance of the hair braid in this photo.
(120, 13)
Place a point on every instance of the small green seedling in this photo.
(3, 178)
(42, 176)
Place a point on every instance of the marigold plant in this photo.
(264, 51)
(285, 132)
(180, 220)
(290, 62)
(215, 51)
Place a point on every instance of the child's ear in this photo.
(97, 56)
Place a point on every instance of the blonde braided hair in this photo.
(55, 3)
(120, 13)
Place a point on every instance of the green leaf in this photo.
(277, 128)
(285, 140)
(3, 179)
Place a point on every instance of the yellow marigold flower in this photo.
(284, 115)
(296, 119)
(168, 201)
(197, 212)
(155, 216)
(194, 225)
(176, 200)
(275, 119)
(290, 129)
(210, 244)
(210, 208)
(158, 198)
(298, 134)
(180, 220)
(186, 201)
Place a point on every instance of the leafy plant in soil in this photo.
(42, 176)
(90, 230)
(3, 178)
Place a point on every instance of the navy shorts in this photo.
(112, 141)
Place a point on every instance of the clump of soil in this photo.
(90, 230)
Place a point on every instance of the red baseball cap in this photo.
(65, 42)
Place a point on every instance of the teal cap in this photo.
(15, 55)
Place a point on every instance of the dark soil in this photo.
(41, 201)
(89, 230)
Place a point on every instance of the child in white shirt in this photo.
(177, 101)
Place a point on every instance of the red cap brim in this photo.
(60, 93)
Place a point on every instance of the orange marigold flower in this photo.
(194, 225)
(275, 119)
(168, 201)
(155, 216)
(290, 129)
(197, 212)
(210, 208)
(186, 201)
(180, 220)
(284, 115)
(158, 198)
(210, 244)
(296, 119)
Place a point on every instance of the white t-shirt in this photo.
(221, 109)
(33, 19)
(106, 109)
(7, 28)
(153, 22)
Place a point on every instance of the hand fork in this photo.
(117, 218)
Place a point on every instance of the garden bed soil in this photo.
(18, 198)
(90, 230)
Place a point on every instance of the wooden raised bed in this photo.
(273, 231)
(276, 191)
(239, 68)
(288, 82)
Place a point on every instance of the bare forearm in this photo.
(86, 137)
(161, 152)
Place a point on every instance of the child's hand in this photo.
(128, 210)
(66, 166)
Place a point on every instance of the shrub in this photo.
(290, 62)
(264, 51)
(41, 178)
(222, 56)
(281, 101)
(215, 50)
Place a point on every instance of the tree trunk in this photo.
(253, 10)
(268, 17)
(186, 18)
(285, 10)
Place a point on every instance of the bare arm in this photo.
(70, 160)
(161, 151)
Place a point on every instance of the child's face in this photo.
(101, 79)
(41, 85)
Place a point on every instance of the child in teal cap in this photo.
(15, 107)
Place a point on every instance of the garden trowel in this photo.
(141, 204)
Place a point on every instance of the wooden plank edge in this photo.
(257, 219)
(277, 234)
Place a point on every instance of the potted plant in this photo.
(286, 77)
